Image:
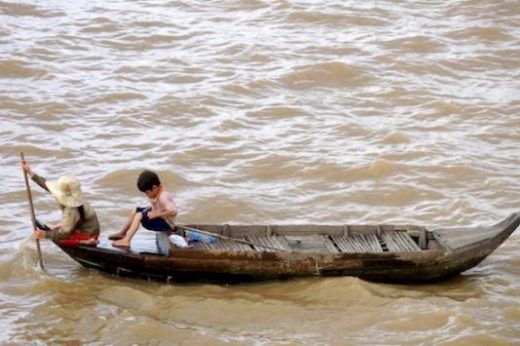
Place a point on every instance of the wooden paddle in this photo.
(223, 237)
(33, 217)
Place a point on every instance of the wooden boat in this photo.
(391, 253)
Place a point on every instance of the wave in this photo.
(335, 20)
(25, 10)
(125, 180)
(347, 291)
(327, 74)
(482, 33)
(19, 69)
(127, 298)
(278, 112)
(396, 138)
(121, 96)
(416, 44)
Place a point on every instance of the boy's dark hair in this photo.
(147, 179)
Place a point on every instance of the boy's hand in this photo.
(39, 234)
(152, 214)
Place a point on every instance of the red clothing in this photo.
(75, 237)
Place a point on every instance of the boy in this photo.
(159, 217)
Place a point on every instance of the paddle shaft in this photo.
(33, 216)
(223, 237)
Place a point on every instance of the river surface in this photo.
(262, 112)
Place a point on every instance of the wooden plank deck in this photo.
(272, 243)
(364, 243)
(310, 243)
(222, 245)
(258, 243)
(399, 242)
(354, 243)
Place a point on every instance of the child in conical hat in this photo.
(79, 222)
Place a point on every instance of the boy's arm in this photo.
(169, 210)
(161, 213)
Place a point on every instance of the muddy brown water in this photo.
(262, 112)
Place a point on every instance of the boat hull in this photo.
(241, 266)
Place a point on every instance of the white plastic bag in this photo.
(177, 240)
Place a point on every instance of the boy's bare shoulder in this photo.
(166, 196)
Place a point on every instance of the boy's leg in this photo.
(157, 224)
(134, 226)
(121, 233)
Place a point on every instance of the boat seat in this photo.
(272, 243)
(310, 243)
(258, 243)
(399, 242)
(222, 245)
(364, 243)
